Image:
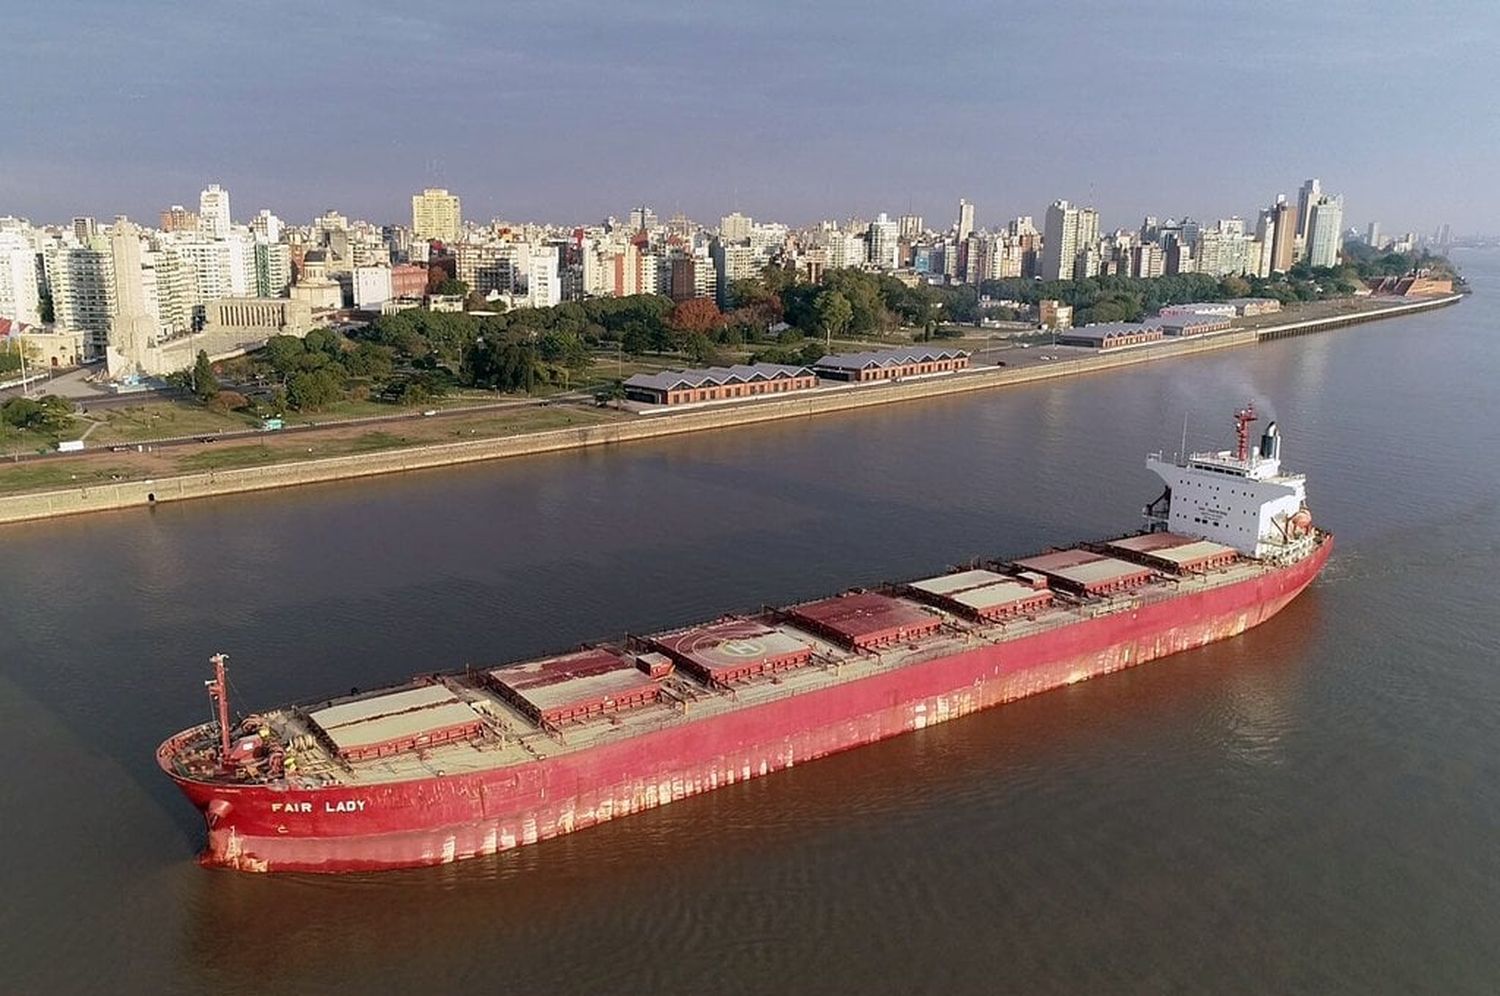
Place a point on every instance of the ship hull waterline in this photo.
(440, 819)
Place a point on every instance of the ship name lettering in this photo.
(291, 807)
(345, 806)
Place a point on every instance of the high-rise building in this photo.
(1060, 241)
(220, 267)
(213, 212)
(372, 287)
(178, 219)
(435, 215)
(734, 227)
(911, 225)
(543, 288)
(273, 269)
(1325, 230)
(1372, 235)
(1283, 246)
(266, 226)
(82, 281)
(489, 267)
(84, 228)
(643, 218)
(1310, 191)
(885, 243)
(171, 294)
(1265, 242)
(20, 295)
(732, 261)
(965, 220)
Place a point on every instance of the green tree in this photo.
(311, 390)
(283, 352)
(834, 313)
(636, 339)
(47, 413)
(205, 384)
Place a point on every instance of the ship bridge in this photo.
(1240, 497)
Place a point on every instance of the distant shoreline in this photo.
(29, 506)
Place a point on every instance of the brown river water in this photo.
(1311, 807)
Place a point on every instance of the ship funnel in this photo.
(1270, 443)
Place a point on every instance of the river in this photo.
(1313, 806)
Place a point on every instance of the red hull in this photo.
(442, 819)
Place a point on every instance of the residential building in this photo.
(1307, 195)
(372, 287)
(543, 286)
(171, 289)
(273, 269)
(178, 219)
(1265, 243)
(1060, 242)
(489, 267)
(213, 212)
(1372, 235)
(266, 226)
(733, 261)
(1283, 248)
(222, 267)
(1325, 230)
(82, 280)
(1053, 314)
(965, 223)
(20, 292)
(408, 282)
(884, 243)
(436, 216)
(734, 227)
(911, 226)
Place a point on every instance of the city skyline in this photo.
(592, 110)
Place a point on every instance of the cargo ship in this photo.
(471, 762)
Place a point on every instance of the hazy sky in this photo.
(565, 111)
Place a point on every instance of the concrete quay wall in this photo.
(140, 494)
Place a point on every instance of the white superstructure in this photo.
(1239, 498)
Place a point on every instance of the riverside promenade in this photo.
(99, 497)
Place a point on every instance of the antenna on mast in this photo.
(1183, 453)
(218, 690)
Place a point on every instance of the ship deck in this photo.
(482, 728)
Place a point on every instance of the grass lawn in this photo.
(46, 475)
(254, 455)
(158, 420)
